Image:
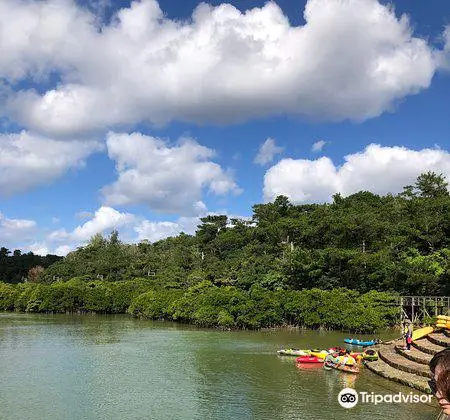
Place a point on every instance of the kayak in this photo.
(343, 368)
(293, 352)
(421, 332)
(369, 355)
(359, 342)
(303, 352)
(309, 359)
(321, 354)
(337, 350)
(308, 366)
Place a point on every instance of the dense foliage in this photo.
(76, 295)
(362, 242)
(334, 265)
(15, 266)
(207, 305)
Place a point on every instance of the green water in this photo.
(114, 367)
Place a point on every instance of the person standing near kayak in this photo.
(408, 342)
(440, 383)
(407, 334)
(410, 329)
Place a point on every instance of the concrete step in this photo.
(439, 339)
(427, 346)
(414, 355)
(381, 368)
(397, 361)
(447, 332)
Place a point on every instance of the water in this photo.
(114, 367)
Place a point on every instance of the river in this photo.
(109, 367)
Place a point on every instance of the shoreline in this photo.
(282, 327)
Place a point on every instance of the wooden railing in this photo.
(417, 308)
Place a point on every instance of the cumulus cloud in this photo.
(14, 231)
(377, 169)
(28, 160)
(28, 236)
(39, 248)
(443, 56)
(62, 241)
(63, 250)
(104, 220)
(43, 248)
(155, 231)
(167, 178)
(318, 146)
(267, 152)
(352, 59)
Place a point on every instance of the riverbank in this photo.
(207, 305)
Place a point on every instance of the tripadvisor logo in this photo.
(348, 398)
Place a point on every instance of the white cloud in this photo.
(39, 248)
(42, 248)
(63, 250)
(105, 219)
(443, 57)
(267, 152)
(167, 178)
(318, 146)
(14, 231)
(155, 231)
(28, 236)
(28, 160)
(352, 59)
(377, 169)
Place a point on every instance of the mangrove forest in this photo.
(336, 265)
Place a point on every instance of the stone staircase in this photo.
(409, 367)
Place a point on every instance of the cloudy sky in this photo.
(143, 116)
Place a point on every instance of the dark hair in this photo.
(442, 359)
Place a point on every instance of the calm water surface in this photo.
(114, 367)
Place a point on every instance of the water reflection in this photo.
(114, 367)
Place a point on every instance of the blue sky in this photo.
(145, 116)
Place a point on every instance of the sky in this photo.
(144, 116)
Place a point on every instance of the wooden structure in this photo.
(417, 308)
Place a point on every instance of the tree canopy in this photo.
(394, 243)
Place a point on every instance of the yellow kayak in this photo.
(443, 321)
(422, 332)
(321, 354)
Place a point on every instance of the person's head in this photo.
(440, 383)
(347, 352)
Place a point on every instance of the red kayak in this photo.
(308, 359)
